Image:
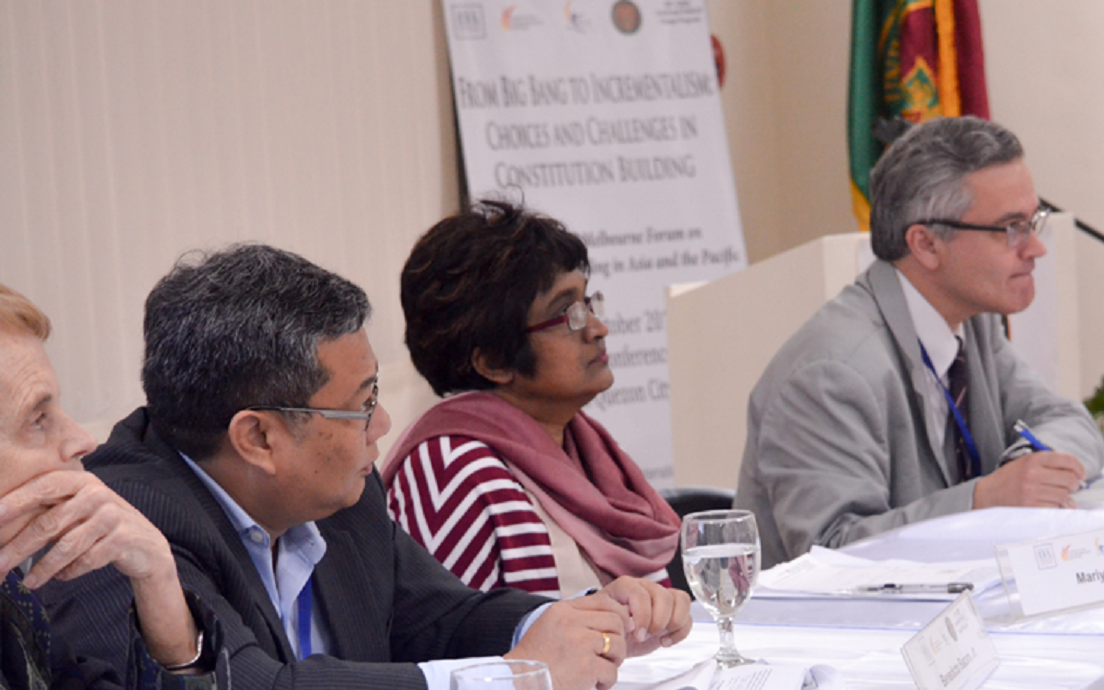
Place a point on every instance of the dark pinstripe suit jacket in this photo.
(388, 603)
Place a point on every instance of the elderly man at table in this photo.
(896, 402)
(255, 456)
(48, 502)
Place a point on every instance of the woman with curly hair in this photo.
(507, 481)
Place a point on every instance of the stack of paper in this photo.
(827, 573)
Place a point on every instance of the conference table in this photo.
(861, 638)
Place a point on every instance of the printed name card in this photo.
(1053, 574)
(954, 651)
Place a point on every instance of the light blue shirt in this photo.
(300, 549)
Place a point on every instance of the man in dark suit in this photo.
(255, 457)
(48, 501)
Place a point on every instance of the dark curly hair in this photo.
(469, 284)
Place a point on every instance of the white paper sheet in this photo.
(827, 573)
(705, 676)
(759, 677)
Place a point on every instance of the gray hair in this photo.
(921, 176)
(237, 328)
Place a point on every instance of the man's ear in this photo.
(499, 377)
(925, 246)
(255, 436)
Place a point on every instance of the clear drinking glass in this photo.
(720, 553)
(503, 675)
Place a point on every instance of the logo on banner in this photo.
(626, 16)
(512, 20)
(575, 19)
(467, 22)
(1044, 556)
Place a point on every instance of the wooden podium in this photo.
(722, 334)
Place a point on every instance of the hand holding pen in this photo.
(1045, 478)
(1038, 446)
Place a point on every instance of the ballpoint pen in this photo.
(895, 588)
(1026, 434)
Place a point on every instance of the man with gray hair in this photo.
(255, 456)
(897, 401)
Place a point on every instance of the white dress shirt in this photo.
(942, 346)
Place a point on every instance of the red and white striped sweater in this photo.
(459, 501)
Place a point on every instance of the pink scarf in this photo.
(590, 487)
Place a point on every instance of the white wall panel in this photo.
(131, 132)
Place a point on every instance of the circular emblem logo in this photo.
(626, 16)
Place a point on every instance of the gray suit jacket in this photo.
(839, 447)
(387, 602)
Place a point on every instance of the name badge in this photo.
(954, 651)
(1053, 574)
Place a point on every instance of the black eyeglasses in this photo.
(365, 414)
(1016, 232)
(577, 315)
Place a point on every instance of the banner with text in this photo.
(607, 116)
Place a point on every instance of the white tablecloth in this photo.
(862, 639)
(871, 658)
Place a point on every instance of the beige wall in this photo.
(1045, 66)
(785, 100)
(786, 94)
(131, 131)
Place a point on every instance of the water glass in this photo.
(720, 554)
(503, 675)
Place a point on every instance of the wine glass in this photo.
(720, 554)
(503, 675)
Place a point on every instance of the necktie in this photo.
(956, 378)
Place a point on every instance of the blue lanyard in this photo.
(305, 604)
(971, 447)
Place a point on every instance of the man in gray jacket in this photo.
(896, 402)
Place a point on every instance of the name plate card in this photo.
(954, 651)
(1053, 574)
